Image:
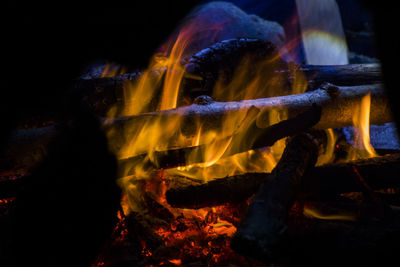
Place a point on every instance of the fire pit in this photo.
(230, 151)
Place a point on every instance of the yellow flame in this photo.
(362, 143)
(327, 155)
(314, 213)
(112, 70)
(158, 88)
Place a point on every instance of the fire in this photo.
(112, 69)
(164, 77)
(176, 261)
(315, 213)
(159, 88)
(327, 156)
(363, 147)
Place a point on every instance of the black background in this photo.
(45, 44)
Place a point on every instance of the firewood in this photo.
(337, 104)
(220, 61)
(323, 181)
(342, 75)
(263, 228)
(365, 242)
(262, 137)
(102, 93)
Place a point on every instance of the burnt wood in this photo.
(221, 61)
(264, 226)
(102, 93)
(322, 181)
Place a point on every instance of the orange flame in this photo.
(112, 70)
(164, 77)
(176, 261)
(158, 88)
(362, 143)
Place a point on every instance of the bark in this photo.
(323, 181)
(253, 138)
(102, 93)
(263, 228)
(342, 75)
(336, 103)
(337, 106)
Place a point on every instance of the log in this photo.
(223, 57)
(102, 93)
(337, 104)
(263, 228)
(220, 61)
(26, 148)
(260, 137)
(342, 75)
(366, 242)
(323, 182)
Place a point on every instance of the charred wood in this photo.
(365, 242)
(222, 60)
(262, 230)
(342, 75)
(322, 181)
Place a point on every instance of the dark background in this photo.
(47, 43)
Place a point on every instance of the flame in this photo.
(164, 76)
(112, 70)
(314, 213)
(363, 147)
(176, 261)
(327, 155)
(159, 88)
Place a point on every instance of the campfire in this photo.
(234, 153)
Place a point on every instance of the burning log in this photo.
(101, 93)
(336, 103)
(219, 62)
(262, 229)
(263, 137)
(337, 107)
(331, 179)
